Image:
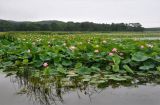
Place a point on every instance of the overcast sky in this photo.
(100, 11)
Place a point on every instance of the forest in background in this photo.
(54, 25)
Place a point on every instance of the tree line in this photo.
(152, 29)
(6, 25)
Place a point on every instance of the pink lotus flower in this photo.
(72, 48)
(110, 54)
(149, 45)
(45, 64)
(121, 54)
(104, 41)
(64, 44)
(96, 51)
(141, 46)
(28, 50)
(114, 50)
(97, 45)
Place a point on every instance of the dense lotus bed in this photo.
(71, 60)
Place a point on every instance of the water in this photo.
(142, 38)
(149, 38)
(136, 95)
(8, 93)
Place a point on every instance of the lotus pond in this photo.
(47, 66)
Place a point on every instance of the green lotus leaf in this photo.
(115, 68)
(139, 56)
(146, 67)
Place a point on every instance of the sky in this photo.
(145, 12)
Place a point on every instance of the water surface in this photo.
(135, 95)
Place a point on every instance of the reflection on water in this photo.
(16, 90)
(8, 94)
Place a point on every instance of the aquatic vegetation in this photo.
(92, 59)
(48, 65)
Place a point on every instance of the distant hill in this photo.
(54, 25)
